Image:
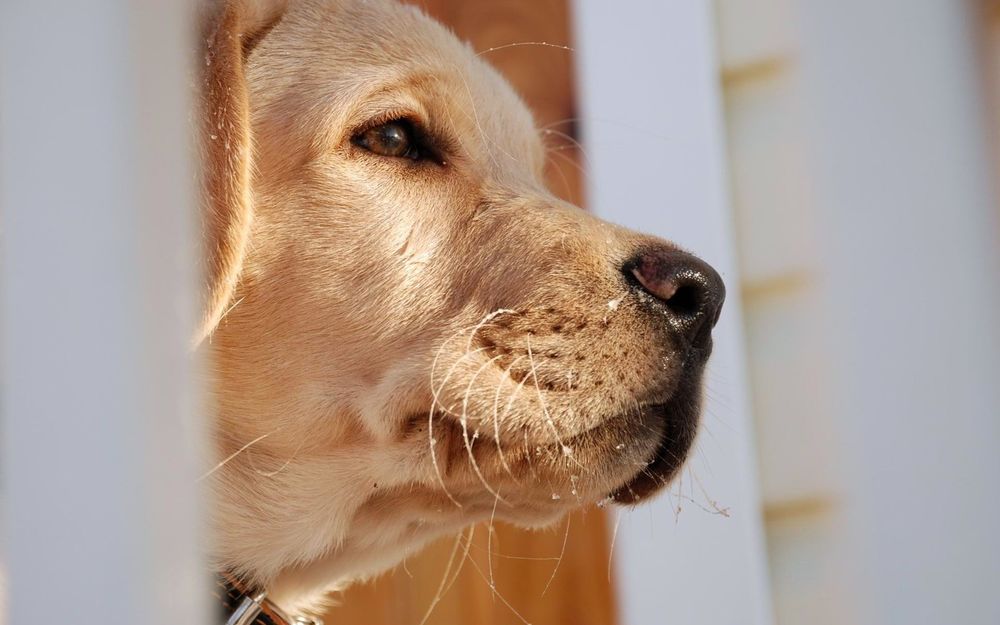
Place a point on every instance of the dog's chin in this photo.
(679, 422)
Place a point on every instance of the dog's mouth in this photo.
(561, 412)
(679, 423)
(666, 431)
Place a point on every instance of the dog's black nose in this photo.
(686, 288)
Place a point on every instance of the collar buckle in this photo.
(255, 609)
(248, 610)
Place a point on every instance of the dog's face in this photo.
(422, 336)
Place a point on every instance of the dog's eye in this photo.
(397, 138)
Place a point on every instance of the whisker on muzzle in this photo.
(436, 390)
(566, 450)
(465, 428)
(496, 416)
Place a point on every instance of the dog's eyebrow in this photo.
(397, 92)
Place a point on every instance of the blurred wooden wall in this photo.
(989, 19)
(531, 583)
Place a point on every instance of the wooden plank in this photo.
(543, 75)
(532, 582)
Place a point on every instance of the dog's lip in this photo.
(664, 462)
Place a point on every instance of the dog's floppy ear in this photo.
(229, 31)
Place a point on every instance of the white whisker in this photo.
(500, 594)
(496, 417)
(562, 552)
(444, 579)
(489, 546)
(234, 454)
(436, 390)
(614, 537)
(465, 429)
(543, 44)
(566, 451)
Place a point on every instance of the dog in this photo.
(406, 332)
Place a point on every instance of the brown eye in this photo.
(396, 138)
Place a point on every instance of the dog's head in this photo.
(408, 332)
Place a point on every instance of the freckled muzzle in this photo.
(600, 360)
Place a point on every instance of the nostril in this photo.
(686, 300)
(680, 294)
(685, 287)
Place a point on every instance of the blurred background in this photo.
(838, 162)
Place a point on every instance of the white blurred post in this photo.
(99, 439)
(652, 128)
(911, 233)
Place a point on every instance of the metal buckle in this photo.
(249, 609)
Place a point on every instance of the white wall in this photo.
(867, 234)
(97, 269)
(911, 238)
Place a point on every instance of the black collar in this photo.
(240, 605)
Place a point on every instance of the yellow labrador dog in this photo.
(407, 331)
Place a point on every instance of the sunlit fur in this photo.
(406, 346)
